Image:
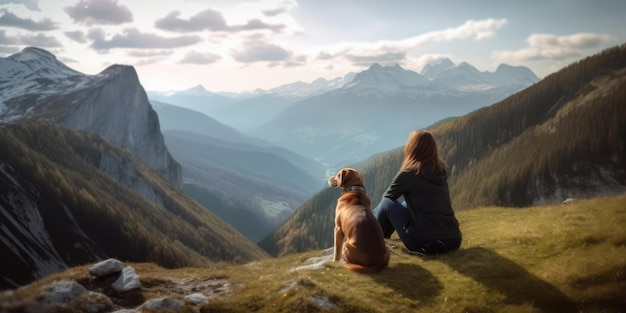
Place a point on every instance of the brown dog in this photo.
(364, 247)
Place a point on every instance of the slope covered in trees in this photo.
(56, 170)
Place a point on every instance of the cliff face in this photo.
(112, 104)
(115, 106)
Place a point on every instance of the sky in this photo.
(238, 46)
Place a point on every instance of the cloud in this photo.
(29, 4)
(99, 12)
(11, 20)
(388, 51)
(257, 50)
(39, 40)
(384, 58)
(7, 40)
(77, 36)
(552, 47)
(256, 24)
(283, 7)
(132, 38)
(150, 53)
(209, 20)
(194, 57)
(205, 20)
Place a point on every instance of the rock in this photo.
(569, 200)
(63, 292)
(128, 280)
(323, 302)
(196, 298)
(161, 305)
(316, 263)
(106, 267)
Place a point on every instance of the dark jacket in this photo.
(428, 200)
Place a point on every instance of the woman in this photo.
(425, 222)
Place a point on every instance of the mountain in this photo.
(34, 85)
(560, 138)
(196, 98)
(85, 175)
(380, 106)
(220, 165)
(61, 206)
(252, 188)
(248, 110)
(173, 117)
(182, 119)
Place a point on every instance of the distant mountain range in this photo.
(380, 106)
(560, 138)
(348, 119)
(247, 110)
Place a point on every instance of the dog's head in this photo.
(346, 177)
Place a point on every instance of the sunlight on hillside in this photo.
(562, 258)
(272, 208)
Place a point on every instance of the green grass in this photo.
(562, 258)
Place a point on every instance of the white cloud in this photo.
(11, 20)
(133, 38)
(396, 51)
(99, 12)
(257, 51)
(29, 4)
(553, 47)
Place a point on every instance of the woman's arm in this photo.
(398, 186)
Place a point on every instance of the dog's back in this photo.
(364, 249)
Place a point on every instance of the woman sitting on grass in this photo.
(425, 221)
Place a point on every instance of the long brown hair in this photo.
(421, 150)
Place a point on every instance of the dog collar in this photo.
(357, 188)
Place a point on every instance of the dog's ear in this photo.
(340, 176)
(352, 177)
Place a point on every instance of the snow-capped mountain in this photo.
(387, 78)
(246, 110)
(380, 106)
(34, 85)
(302, 90)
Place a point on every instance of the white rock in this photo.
(196, 298)
(128, 280)
(106, 267)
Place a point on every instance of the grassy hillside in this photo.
(560, 258)
(562, 137)
(62, 164)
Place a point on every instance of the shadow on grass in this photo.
(411, 280)
(512, 280)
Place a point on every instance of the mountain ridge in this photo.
(111, 103)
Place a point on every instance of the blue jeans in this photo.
(394, 216)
